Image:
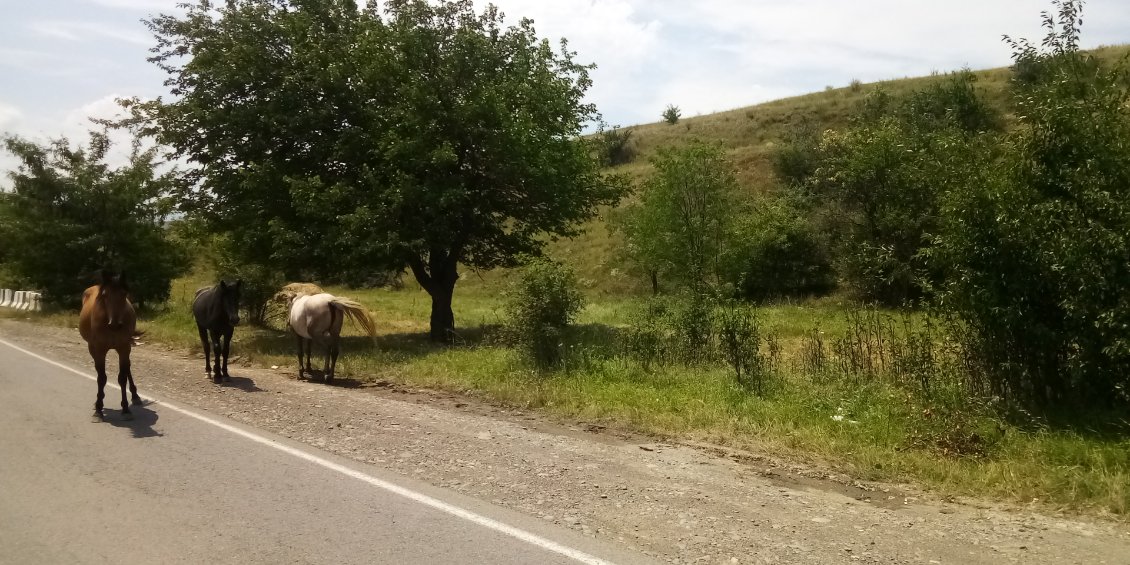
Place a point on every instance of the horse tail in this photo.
(358, 313)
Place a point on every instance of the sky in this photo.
(62, 61)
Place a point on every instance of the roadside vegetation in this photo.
(920, 280)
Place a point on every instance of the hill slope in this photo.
(750, 136)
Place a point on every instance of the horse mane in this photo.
(358, 313)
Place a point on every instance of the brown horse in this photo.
(108, 321)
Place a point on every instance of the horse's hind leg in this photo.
(300, 344)
(124, 381)
(331, 358)
(207, 351)
(227, 351)
(99, 357)
(129, 376)
(309, 353)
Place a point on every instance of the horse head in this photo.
(113, 298)
(229, 300)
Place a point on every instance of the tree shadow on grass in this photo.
(398, 347)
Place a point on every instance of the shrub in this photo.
(780, 254)
(880, 184)
(540, 306)
(692, 326)
(615, 147)
(798, 156)
(672, 114)
(739, 342)
(646, 336)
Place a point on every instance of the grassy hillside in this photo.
(750, 135)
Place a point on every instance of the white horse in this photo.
(318, 318)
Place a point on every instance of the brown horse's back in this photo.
(87, 312)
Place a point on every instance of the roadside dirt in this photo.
(681, 503)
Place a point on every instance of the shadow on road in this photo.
(141, 426)
(243, 383)
(316, 376)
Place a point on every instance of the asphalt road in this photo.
(180, 485)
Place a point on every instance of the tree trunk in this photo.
(443, 319)
(438, 277)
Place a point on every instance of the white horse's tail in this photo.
(358, 313)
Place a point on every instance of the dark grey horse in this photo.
(216, 310)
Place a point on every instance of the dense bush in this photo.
(70, 214)
(1040, 244)
(779, 254)
(880, 183)
(798, 155)
(739, 344)
(614, 146)
(540, 306)
(260, 283)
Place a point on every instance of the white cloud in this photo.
(140, 5)
(710, 55)
(81, 31)
(611, 33)
(74, 125)
(9, 115)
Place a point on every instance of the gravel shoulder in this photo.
(682, 503)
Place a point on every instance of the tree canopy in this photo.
(331, 138)
(683, 227)
(70, 214)
(1037, 243)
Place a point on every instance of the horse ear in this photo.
(223, 285)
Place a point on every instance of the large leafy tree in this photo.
(334, 138)
(878, 183)
(69, 214)
(684, 226)
(1039, 244)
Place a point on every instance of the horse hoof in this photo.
(127, 416)
(217, 380)
(227, 379)
(137, 401)
(97, 418)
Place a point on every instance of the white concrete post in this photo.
(37, 302)
(5, 297)
(18, 302)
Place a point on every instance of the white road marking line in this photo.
(424, 499)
